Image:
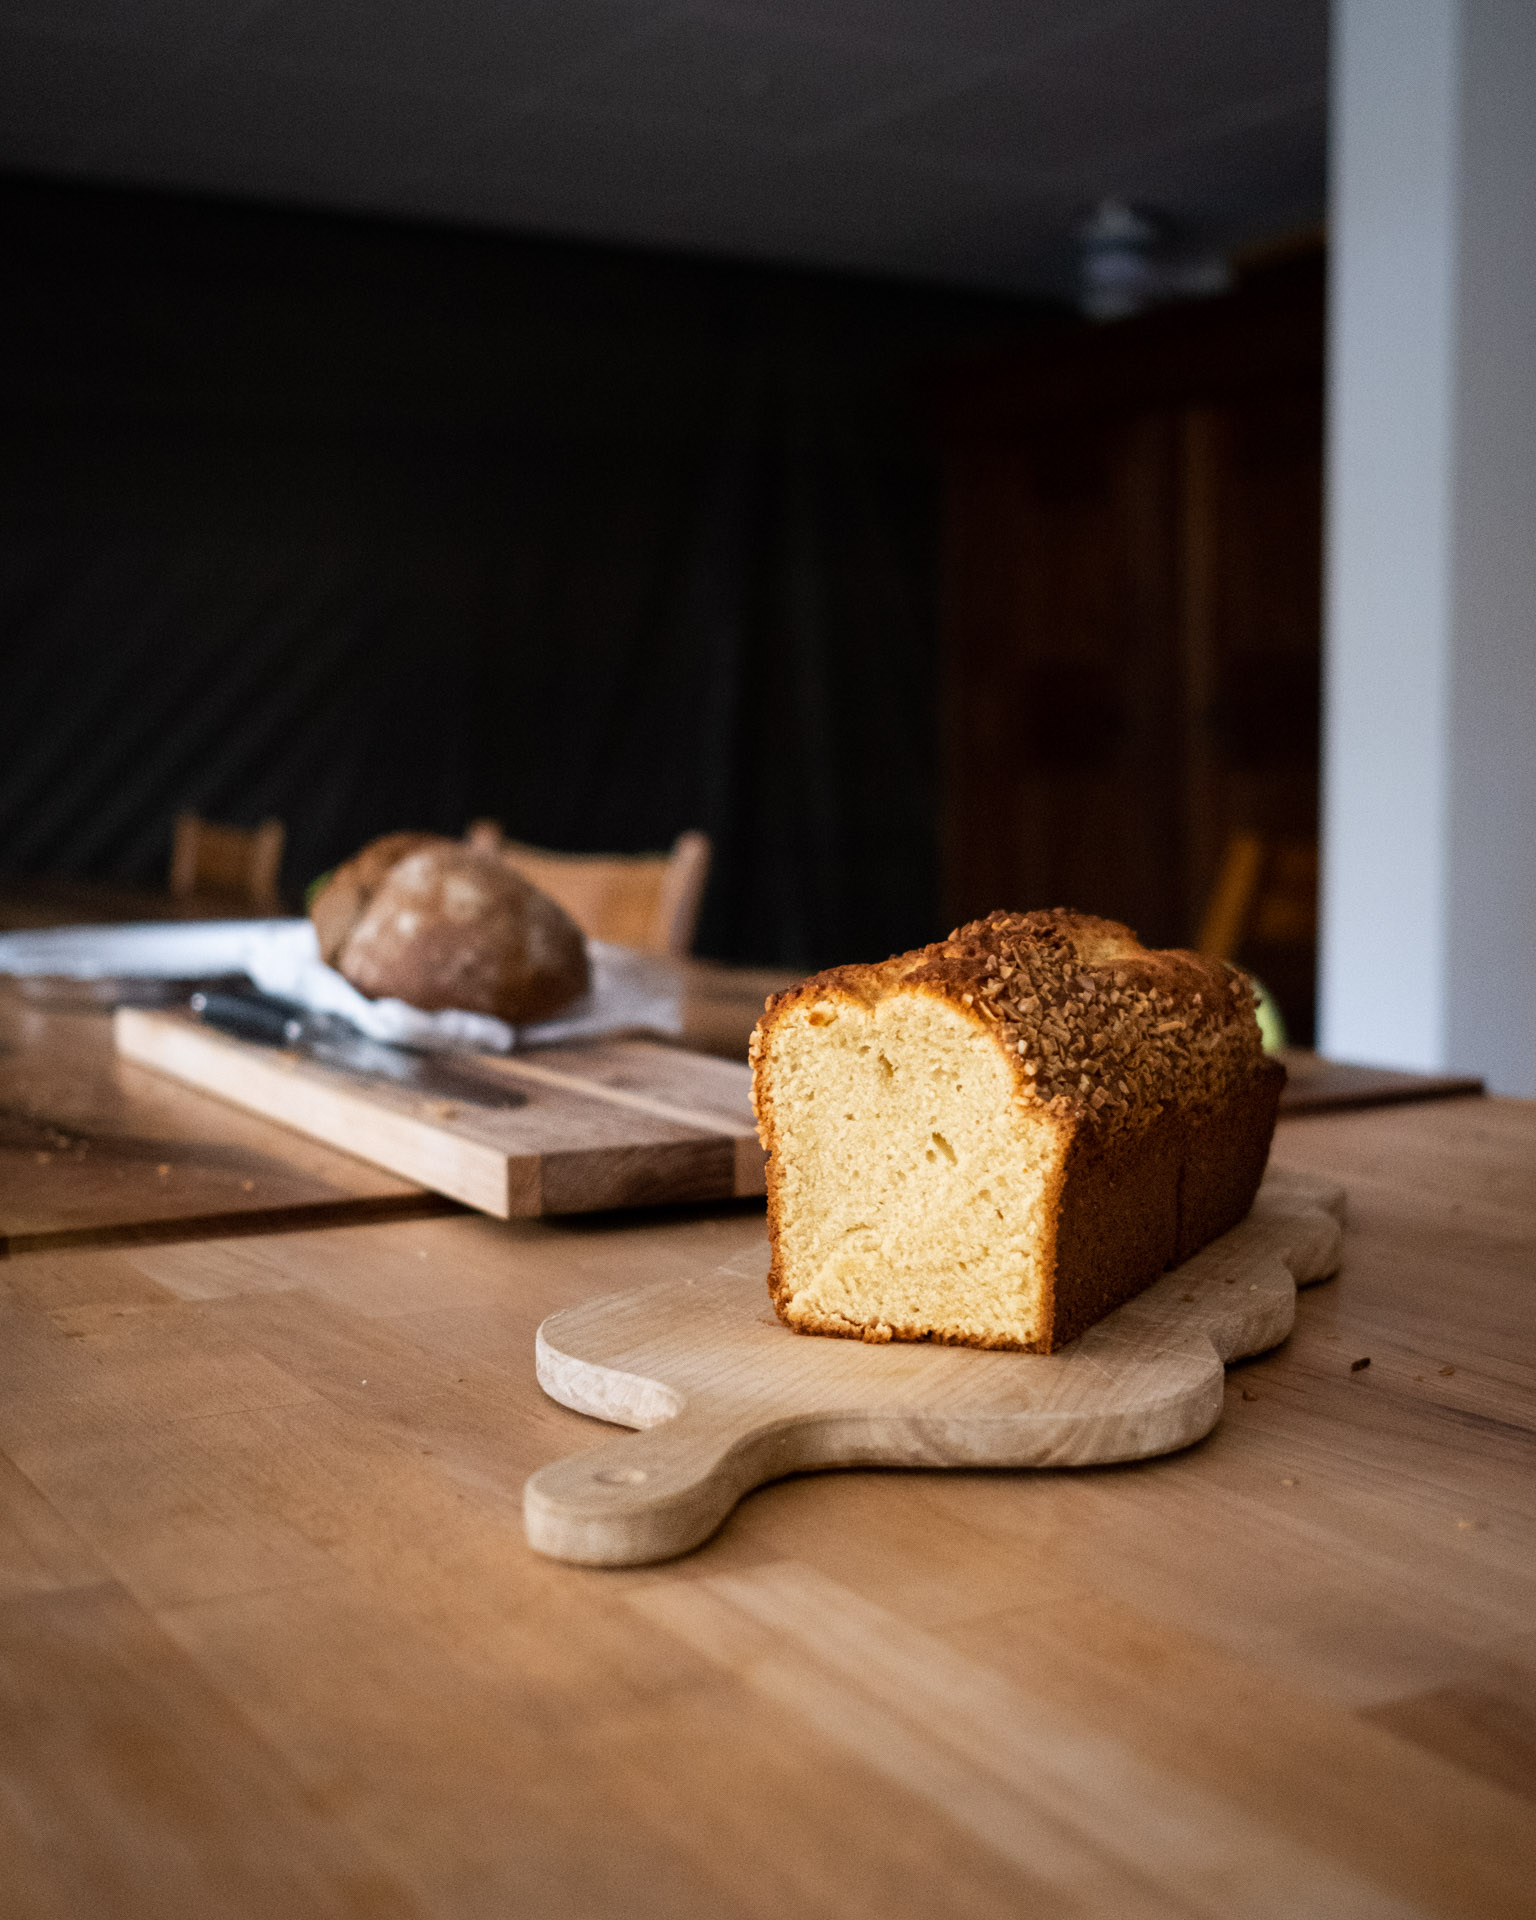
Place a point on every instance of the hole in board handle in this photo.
(621, 1476)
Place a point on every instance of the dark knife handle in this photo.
(269, 1021)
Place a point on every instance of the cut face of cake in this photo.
(994, 1140)
(915, 1195)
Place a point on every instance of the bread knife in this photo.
(271, 1021)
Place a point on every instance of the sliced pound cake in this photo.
(994, 1140)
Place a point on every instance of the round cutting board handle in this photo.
(651, 1495)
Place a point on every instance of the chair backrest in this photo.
(650, 901)
(236, 863)
(1266, 891)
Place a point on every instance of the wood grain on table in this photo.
(273, 1641)
(93, 1148)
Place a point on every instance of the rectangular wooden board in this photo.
(1316, 1085)
(96, 1151)
(618, 1123)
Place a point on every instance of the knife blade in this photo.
(271, 1021)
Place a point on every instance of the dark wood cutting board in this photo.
(617, 1123)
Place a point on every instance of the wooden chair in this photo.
(1265, 893)
(650, 901)
(233, 864)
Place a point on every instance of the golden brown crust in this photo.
(343, 900)
(1101, 1028)
(768, 1137)
(1153, 1059)
(1116, 1223)
(1135, 1204)
(1224, 1159)
(446, 925)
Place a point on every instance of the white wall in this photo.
(1428, 955)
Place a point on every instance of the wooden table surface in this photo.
(273, 1643)
(94, 1149)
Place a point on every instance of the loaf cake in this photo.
(994, 1140)
(425, 919)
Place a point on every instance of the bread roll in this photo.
(996, 1139)
(439, 924)
(343, 900)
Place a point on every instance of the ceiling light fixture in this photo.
(1126, 263)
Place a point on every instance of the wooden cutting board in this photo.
(729, 1398)
(97, 1152)
(618, 1123)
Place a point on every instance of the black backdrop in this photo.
(368, 525)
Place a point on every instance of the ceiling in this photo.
(947, 140)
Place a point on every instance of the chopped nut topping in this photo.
(1118, 1038)
(1101, 1028)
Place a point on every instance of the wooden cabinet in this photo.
(1132, 600)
